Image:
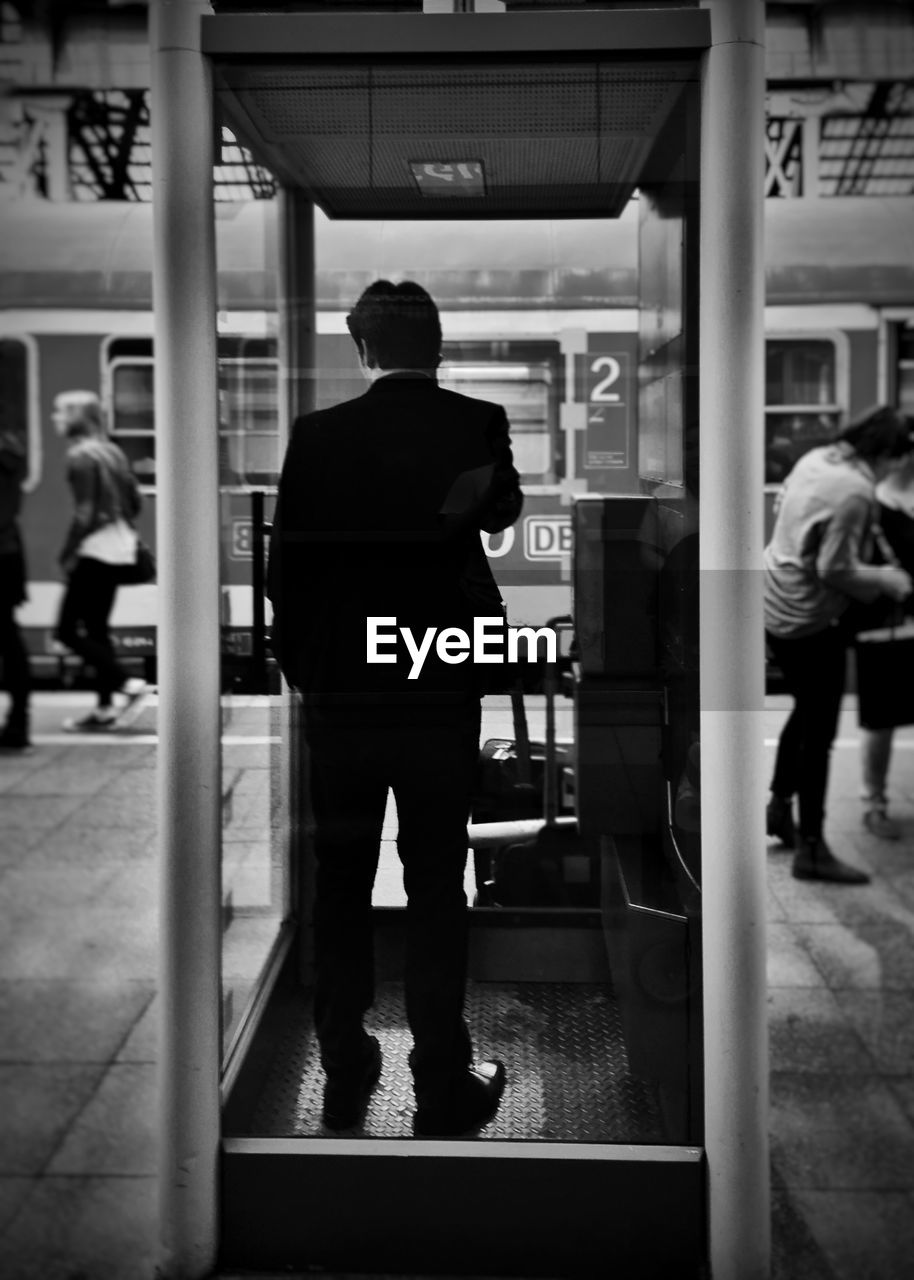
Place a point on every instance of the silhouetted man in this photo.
(380, 505)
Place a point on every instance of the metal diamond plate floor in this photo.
(568, 1075)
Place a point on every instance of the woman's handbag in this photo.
(142, 570)
(885, 676)
(885, 659)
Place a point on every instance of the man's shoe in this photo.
(102, 720)
(878, 823)
(345, 1101)
(815, 861)
(475, 1102)
(779, 821)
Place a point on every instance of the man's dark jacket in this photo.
(380, 505)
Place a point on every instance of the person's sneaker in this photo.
(102, 720)
(878, 823)
(779, 821)
(815, 861)
(345, 1101)
(135, 690)
(473, 1105)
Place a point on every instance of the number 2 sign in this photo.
(605, 386)
(601, 393)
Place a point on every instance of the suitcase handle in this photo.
(550, 689)
(521, 735)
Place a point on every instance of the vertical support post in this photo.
(188, 640)
(298, 392)
(732, 639)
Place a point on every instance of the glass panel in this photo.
(255, 745)
(254, 828)
(543, 995)
(639, 722)
(255, 741)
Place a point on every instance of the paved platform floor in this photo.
(77, 1012)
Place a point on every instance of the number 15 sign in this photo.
(605, 385)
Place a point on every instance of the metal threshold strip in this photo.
(465, 1149)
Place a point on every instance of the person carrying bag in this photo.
(884, 650)
(100, 548)
(816, 565)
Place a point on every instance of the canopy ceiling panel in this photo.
(548, 138)
(494, 115)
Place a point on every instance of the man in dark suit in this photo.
(380, 505)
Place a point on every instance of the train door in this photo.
(592, 990)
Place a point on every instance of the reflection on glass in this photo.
(254, 826)
(255, 764)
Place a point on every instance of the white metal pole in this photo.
(297, 322)
(188, 638)
(732, 643)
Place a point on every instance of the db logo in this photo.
(547, 537)
(242, 539)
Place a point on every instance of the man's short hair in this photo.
(396, 326)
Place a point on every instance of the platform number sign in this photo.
(604, 381)
(448, 177)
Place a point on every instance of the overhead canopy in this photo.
(428, 116)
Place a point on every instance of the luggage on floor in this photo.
(523, 779)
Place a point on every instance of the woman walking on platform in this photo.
(815, 565)
(100, 543)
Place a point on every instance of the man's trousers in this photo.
(431, 769)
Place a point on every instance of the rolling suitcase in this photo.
(522, 780)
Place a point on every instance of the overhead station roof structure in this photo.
(429, 116)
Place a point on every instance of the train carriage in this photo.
(528, 321)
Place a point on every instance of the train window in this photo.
(248, 408)
(905, 372)
(248, 419)
(17, 411)
(801, 400)
(132, 417)
(523, 377)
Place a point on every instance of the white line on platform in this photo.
(239, 740)
(133, 740)
(899, 744)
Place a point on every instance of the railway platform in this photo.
(78, 1011)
